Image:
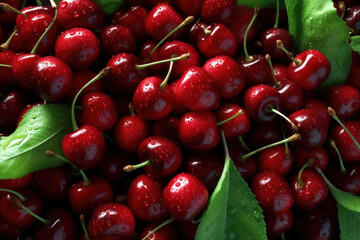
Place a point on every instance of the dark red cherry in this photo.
(352, 18)
(132, 20)
(164, 156)
(319, 155)
(179, 107)
(185, 196)
(218, 11)
(21, 68)
(168, 231)
(317, 225)
(84, 196)
(77, 47)
(31, 10)
(272, 191)
(26, 109)
(80, 13)
(228, 74)
(280, 71)
(144, 198)
(278, 223)
(275, 159)
(189, 7)
(240, 23)
(348, 181)
(17, 44)
(268, 41)
(11, 106)
(321, 108)
(8, 231)
(195, 32)
(161, 20)
(16, 183)
(53, 78)
(61, 225)
(256, 70)
(111, 219)
(145, 50)
(7, 18)
(291, 95)
(353, 78)
(1, 34)
(166, 127)
(198, 90)
(85, 147)
(112, 167)
(6, 76)
(265, 134)
(198, 131)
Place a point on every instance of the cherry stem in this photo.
(120, 198)
(205, 30)
(5, 65)
(51, 154)
(39, 3)
(342, 7)
(292, 138)
(342, 167)
(166, 222)
(293, 126)
(21, 197)
(256, 12)
(241, 139)
(131, 109)
(163, 84)
(287, 152)
(282, 236)
(145, 65)
(7, 7)
(130, 168)
(6, 44)
(240, 112)
(280, 45)
(308, 163)
(187, 21)
(100, 75)
(268, 58)
(276, 25)
(17, 202)
(83, 225)
(332, 114)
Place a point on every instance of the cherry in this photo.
(144, 198)
(30, 10)
(189, 7)
(179, 107)
(166, 127)
(7, 18)
(321, 108)
(53, 78)
(353, 76)
(352, 19)
(98, 110)
(8, 231)
(279, 222)
(168, 231)
(160, 157)
(228, 74)
(21, 68)
(16, 44)
(318, 155)
(198, 131)
(6, 57)
(16, 183)
(240, 23)
(216, 39)
(265, 134)
(80, 13)
(11, 106)
(272, 191)
(348, 181)
(146, 48)
(111, 219)
(60, 224)
(318, 224)
(112, 167)
(275, 159)
(77, 47)
(198, 90)
(185, 196)
(268, 42)
(215, 11)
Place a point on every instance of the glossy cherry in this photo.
(16, 183)
(348, 181)
(117, 39)
(184, 196)
(321, 108)
(291, 95)
(268, 41)
(31, 10)
(7, 18)
(353, 76)
(240, 23)
(11, 106)
(318, 224)
(21, 68)
(319, 156)
(352, 18)
(265, 134)
(218, 11)
(279, 223)
(168, 231)
(8, 231)
(112, 167)
(189, 7)
(275, 159)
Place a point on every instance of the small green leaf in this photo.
(232, 212)
(355, 43)
(348, 221)
(42, 128)
(261, 3)
(315, 25)
(110, 6)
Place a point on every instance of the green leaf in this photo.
(355, 43)
(110, 6)
(42, 128)
(348, 221)
(261, 3)
(315, 25)
(232, 212)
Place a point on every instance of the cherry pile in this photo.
(149, 102)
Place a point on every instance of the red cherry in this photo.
(7, 18)
(30, 10)
(256, 70)
(321, 108)
(111, 219)
(353, 76)
(279, 223)
(132, 20)
(189, 7)
(185, 196)
(11, 106)
(17, 44)
(348, 181)
(144, 198)
(291, 95)
(240, 23)
(166, 127)
(6, 76)
(319, 155)
(112, 167)
(8, 231)
(166, 232)
(198, 131)
(318, 224)
(268, 41)
(117, 39)
(21, 67)
(352, 18)
(218, 11)
(16, 183)
(275, 159)
(265, 134)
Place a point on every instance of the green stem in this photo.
(145, 65)
(280, 45)
(83, 225)
(282, 236)
(101, 74)
(21, 197)
(163, 84)
(240, 112)
(6, 44)
(170, 220)
(309, 162)
(293, 126)
(256, 12)
(276, 83)
(5, 65)
(130, 168)
(276, 25)
(39, 3)
(241, 139)
(287, 152)
(17, 202)
(7, 7)
(342, 167)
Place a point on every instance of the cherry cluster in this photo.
(156, 87)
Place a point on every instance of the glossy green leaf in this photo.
(315, 25)
(355, 43)
(232, 212)
(41, 129)
(348, 221)
(110, 6)
(261, 3)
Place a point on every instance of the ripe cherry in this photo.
(215, 11)
(11, 106)
(117, 39)
(319, 157)
(240, 23)
(6, 57)
(275, 159)
(321, 108)
(7, 18)
(21, 68)
(30, 10)
(279, 222)
(189, 7)
(169, 231)
(265, 134)
(16, 183)
(268, 41)
(8, 231)
(318, 224)
(112, 167)
(352, 18)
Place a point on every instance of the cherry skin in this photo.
(84, 197)
(291, 95)
(30, 10)
(312, 71)
(111, 219)
(151, 101)
(228, 74)
(275, 159)
(272, 191)
(16, 183)
(278, 223)
(184, 196)
(352, 18)
(319, 155)
(53, 78)
(240, 23)
(268, 41)
(321, 108)
(85, 147)
(8, 231)
(198, 131)
(318, 224)
(164, 155)
(77, 47)
(98, 110)
(313, 191)
(169, 231)
(7, 18)
(144, 55)
(189, 7)
(21, 68)
(144, 198)
(11, 106)
(218, 11)
(198, 90)
(6, 76)
(61, 224)
(162, 19)
(166, 127)
(112, 167)
(265, 134)
(256, 70)
(353, 76)
(348, 181)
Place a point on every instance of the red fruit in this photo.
(8, 231)
(7, 18)
(16, 183)
(185, 196)
(279, 223)
(348, 181)
(198, 131)
(80, 13)
(272, 191)
(145, 50)
(144, 198)
(218, 11)
(256, 70)
(321, 108)
(112, 168)
(117, 39)
(275, 159)
(318, 224)
(268, 41)
(21, 67)
(132, 20)
(166, 127)
(31, 10)
(352, 18)
(189, 7)
(265, 134)
(168, 231)
(85, 147)
(240, 23)
(353, 77)
(319, 155)
(111, 219)
(77, 47)
(6, 76)
(291, 95)
(11, 106)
